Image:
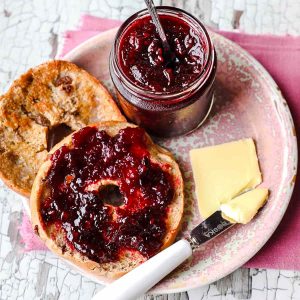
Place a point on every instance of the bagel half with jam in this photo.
(107, 199)
(54, 97)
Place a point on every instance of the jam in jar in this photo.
(166, 98)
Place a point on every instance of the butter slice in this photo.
(222, 172)
(243, 208)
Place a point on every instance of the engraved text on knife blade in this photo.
(210, 228)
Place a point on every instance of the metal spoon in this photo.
(169, 55)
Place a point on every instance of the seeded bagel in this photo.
(55, 236)
(56, 94)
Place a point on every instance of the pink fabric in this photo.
(29, 239)
(89, 27)
(281, 57)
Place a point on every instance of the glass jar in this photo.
(166, 114)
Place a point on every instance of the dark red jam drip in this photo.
(142, 59)
(97, 230)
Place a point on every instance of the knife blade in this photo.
(209, 229)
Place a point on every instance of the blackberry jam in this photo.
(127, 214)
(166, 99)
(142, 58)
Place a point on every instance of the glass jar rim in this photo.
(191, 20)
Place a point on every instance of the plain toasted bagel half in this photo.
(54, 96)
(48, 217)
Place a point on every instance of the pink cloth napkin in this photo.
(281, 57)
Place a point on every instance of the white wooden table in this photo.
(30, 33)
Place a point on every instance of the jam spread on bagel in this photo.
(77, 202)
(142, 58)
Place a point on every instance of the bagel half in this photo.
(54, 93)
(56, 239)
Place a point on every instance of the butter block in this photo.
(222, 172)
(243, 208)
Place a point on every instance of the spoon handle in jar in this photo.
(156, 21)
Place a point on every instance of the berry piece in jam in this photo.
(142, 58)
(127, 215)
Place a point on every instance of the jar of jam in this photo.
(166, 98)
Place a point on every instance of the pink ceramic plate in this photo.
(248, 103)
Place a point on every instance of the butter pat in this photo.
(243, 208)
(222, 172)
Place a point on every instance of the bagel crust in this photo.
(51, 94)
(128, 259)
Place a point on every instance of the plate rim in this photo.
(293, 149)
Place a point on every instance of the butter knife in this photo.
(142, 278)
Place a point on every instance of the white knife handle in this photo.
(142, 278)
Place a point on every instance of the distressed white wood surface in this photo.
(30, 33)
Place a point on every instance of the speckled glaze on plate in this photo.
(248, 103)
